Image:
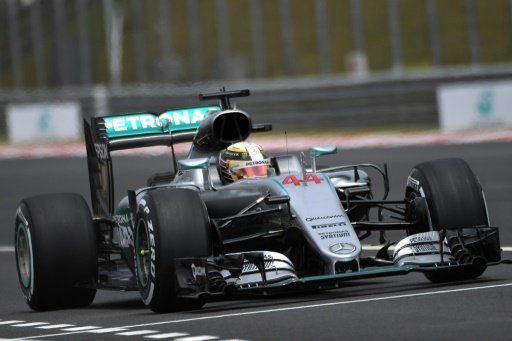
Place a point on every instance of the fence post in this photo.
(287, 36)
(85, 42)
(59, 26)
(433, 25)
(36, 30)
(322, 36)
(356, 60)
(139, 40)
(14, 38)
(357, 25)
(396, 43)
(474, 41)
(222, 30)
(163, 28)
(260, 64)
(510, 17)
(194, 38)
(2, 4)
(113, 18)
(100, 100)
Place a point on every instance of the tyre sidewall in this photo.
(146, 221)
(177, 225)
(452, 192)
(63, 251)
(23, 225)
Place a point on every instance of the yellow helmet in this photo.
(243, 160)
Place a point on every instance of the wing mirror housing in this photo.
(321, 151)
(187, 164)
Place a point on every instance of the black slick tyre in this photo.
(56, 252)
(170, 223)
(454, 201)
(452, 191)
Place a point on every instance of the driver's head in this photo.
(243, 160)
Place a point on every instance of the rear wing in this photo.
(132, 130)
(209, 128)
(144, 129)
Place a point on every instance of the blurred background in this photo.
(328, 64)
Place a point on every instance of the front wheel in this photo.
(55, 246)
(170, 223)
(455, 202)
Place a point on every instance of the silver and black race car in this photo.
(188, 236)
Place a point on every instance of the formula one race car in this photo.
(206, 230)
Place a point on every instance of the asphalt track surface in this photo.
(400, 308)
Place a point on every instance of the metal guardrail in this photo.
(386, 99)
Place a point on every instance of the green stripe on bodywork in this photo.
(365, 273)
(146, 123)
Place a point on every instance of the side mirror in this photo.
(321, 151)
(188, 164)
(197, 171)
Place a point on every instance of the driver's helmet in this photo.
(243, 160)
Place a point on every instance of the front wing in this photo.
(193, 277)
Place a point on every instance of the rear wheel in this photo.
(454, 201)
(56, 255)
(170, 223)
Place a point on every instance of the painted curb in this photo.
(276, 143)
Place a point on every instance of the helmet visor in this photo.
(249, 169)
(248, 172)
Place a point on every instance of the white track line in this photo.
(10, 322)
(106, 330)
(56, 326)
(81, 329)
(165, 336)
(139, 332)
(30, 324)
(197, 338)
(309, 306)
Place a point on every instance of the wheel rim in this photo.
(428, 220)
(142, 253)
(24, 255)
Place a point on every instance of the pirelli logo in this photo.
(323, 226)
